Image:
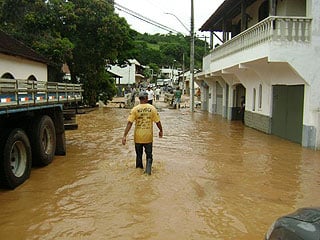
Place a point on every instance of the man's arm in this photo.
(126, 131)
(160, 129)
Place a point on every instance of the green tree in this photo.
(83, 33)
(100, 35)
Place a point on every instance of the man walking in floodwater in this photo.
(144, 115)
(177, 97)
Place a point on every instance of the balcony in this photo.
(274, 29)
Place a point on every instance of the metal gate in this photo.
(287, 112)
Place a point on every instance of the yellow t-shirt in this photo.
(144, 115)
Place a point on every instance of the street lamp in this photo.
(185, 27)
(191, 31)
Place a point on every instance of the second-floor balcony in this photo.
(279, 30)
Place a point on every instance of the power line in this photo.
(145, 19)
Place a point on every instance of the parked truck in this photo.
(32, 125)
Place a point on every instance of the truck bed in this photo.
(16, 94)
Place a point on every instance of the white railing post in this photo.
(300, 31)
(307, 32)
(273, 28)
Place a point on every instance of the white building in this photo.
(20, 62)
(184, 80)
(270, 55)
(131, 73)
(170, 73)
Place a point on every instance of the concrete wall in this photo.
(258, 121)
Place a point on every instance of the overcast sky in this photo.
(156, 9)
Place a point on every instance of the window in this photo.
(31, 77)
(260, 96)
(7, 75)
(254, 100)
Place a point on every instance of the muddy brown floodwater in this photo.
(212, 179)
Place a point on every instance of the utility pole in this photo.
(183, 69)
(192, 59)
(191, 54)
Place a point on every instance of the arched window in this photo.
(263, 10)
(31, 77)
(7, 75)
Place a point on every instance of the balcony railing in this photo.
(273, 28)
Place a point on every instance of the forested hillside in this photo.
(163, 50)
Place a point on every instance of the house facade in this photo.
(269, 57)
(184, 80)
(170, 73)
(20, 62)
(130, 73)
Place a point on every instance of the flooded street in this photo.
(211, 179)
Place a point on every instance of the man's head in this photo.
(143, 96)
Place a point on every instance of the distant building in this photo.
(66, 72)
(130, 73)
(170, 73)
(184, 82)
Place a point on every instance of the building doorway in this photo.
(238, 110)
(219, 98)
(287, 112)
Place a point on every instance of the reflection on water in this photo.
(212, 179)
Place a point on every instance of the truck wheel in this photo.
(15, 159)
(43, 141)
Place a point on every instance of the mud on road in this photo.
(212, 179)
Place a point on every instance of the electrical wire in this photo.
(145, 19)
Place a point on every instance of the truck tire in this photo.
(15, 159)
(43, 140)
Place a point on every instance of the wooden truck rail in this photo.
(17, 93)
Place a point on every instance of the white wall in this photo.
(128, 73)
(22, 68)
(291, 8)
